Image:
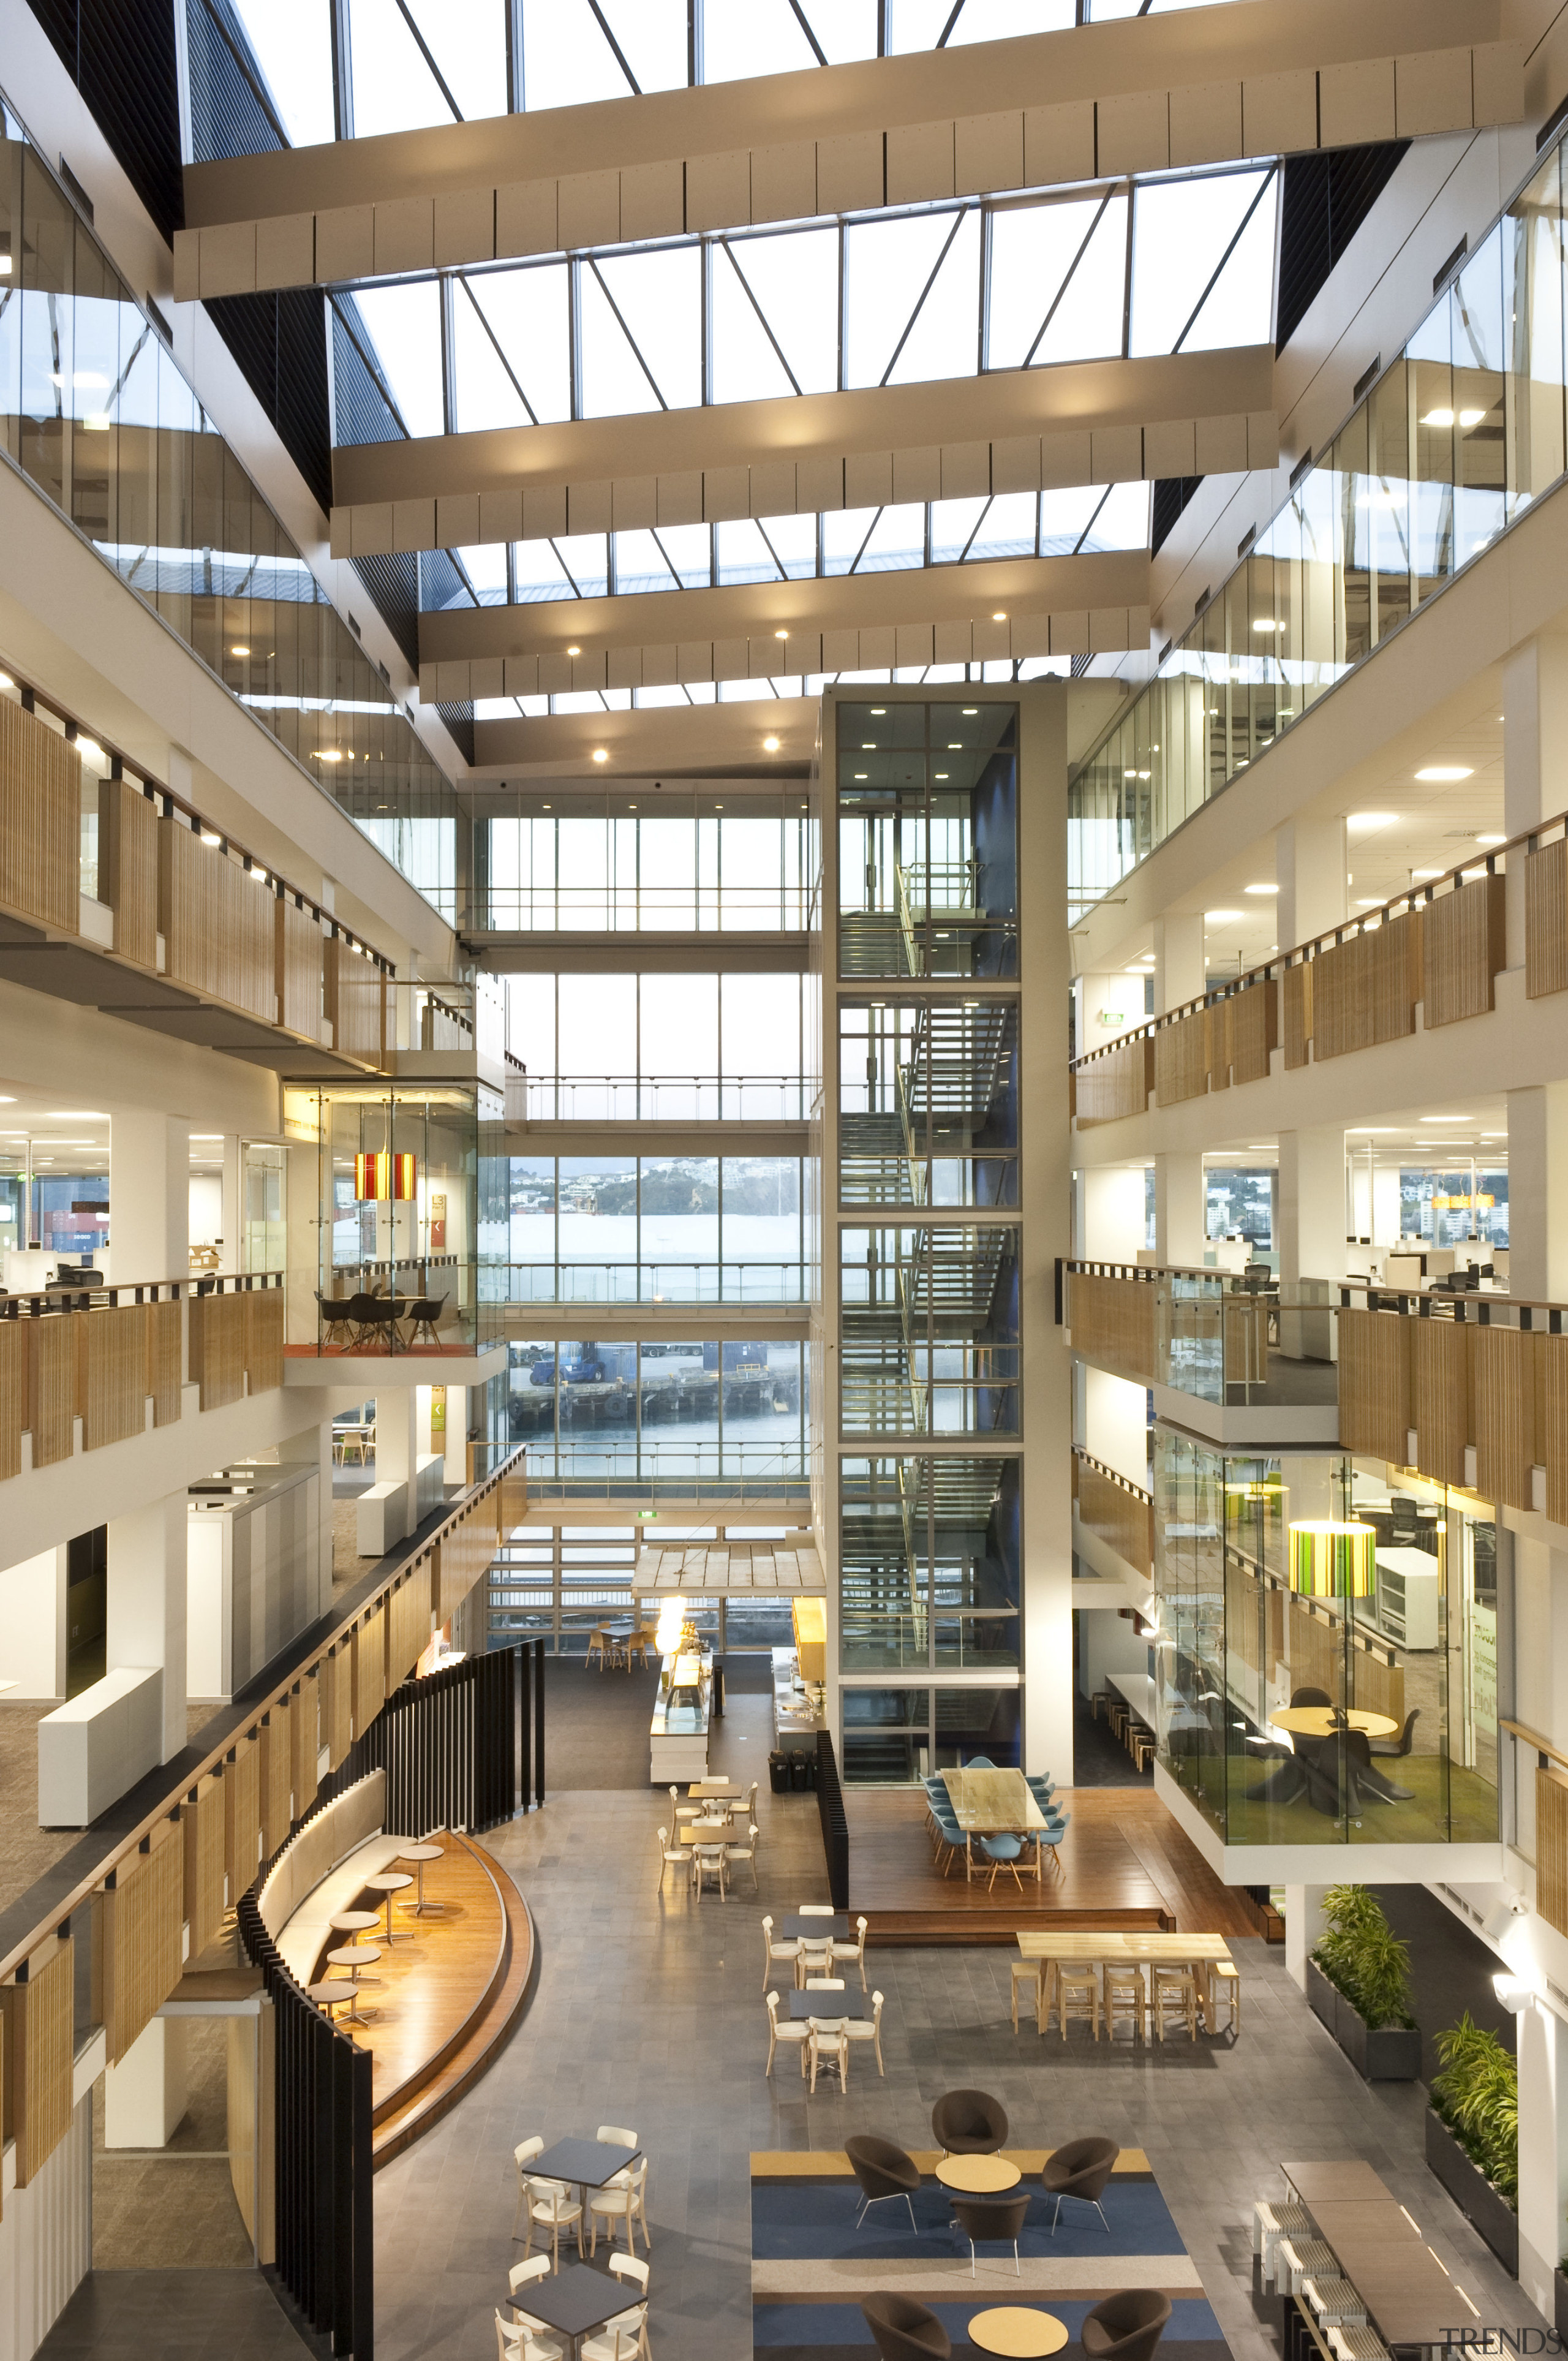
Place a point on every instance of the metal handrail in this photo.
(101, 1296)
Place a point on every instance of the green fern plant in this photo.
(1363, 1958)
(1478, 2095)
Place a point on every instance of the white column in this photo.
(34, 1641)
(231, 1254)
(1181, 1224)
(1311, 863)
(1113, 1220)
(149, 1197)
(145, 2095)
(398, 1446)
(148, 1581)
(1538, 1192)
(1312, 1204)
(1303, 1928)
(1535, 764)
(1045, 1162)
(1178, 958)
(1543, 2148)
(457, 1471)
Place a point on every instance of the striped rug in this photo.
(810, 2266)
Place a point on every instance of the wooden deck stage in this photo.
(442, 2002)
(1123, 1862)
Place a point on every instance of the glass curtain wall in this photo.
(661, 1048)
(1325, 1646)
(638, 1412)
(98, 418)
(656, 1229)
(927, 840)
(1454, 443)
(615, 870)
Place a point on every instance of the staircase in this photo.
(942, 1094)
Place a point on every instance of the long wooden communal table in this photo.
(1411, 2298)
(991, 1804)
(1111, 1946)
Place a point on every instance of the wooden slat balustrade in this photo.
(1115, 1083)
(1112, 1323)
(1119, 1516)
(127, 868)
(297, 953)
(37, 2021)
(137, 1941)
(1464, 946)
(202, 1818)
(1181, 1059)
(1546, 920)
(41, 821)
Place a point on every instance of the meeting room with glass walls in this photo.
(1326, 1647)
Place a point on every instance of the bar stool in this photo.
(1174, 1988)
(1078, 1988)
(1226, 1985)
(1123, 1996)
(1026, 1972)
(418, 1854)
(388, 1883)
(354, 1956)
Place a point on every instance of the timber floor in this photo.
(1123, 1862)
(442, 1999)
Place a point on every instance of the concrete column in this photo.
(1312, 1204)
(1538, 1192)
(1180, 1227)
(1178, 960)
(1112, 1220)
(148, 1579)
(145, 2095)
(1303, 1928)
(149, 1197)
(1543, 2148)
(1310, 862)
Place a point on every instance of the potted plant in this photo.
(1358, 1982)
(1472, 2133)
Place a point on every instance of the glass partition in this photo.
(1325, 1647)
(1458, 437)
(392, 1192)
(927, 840)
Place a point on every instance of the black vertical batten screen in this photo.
(1326, 198)
(448, 1744)
(121, 56)
(539, 1721)
(323, 2108)
(835, 1825)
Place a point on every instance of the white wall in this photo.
(46, 2236)
(1112, 1222)
(32, 1626)
(206, 1208)
(1107, 1643)
(1116, 1424)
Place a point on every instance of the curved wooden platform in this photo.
(445, 2000)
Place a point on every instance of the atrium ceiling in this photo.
(693, 352)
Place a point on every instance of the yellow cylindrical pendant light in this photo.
(1333, 1560)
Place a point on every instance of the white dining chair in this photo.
(789, 2034)
(673, 1857)
(626, 2334)
(520, 2276)
(868, 2028)
(746, 1852)
(623, 2199)
(775, 1954)
(855, 1951)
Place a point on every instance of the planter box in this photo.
(1385, 2053)
(1473, 2194)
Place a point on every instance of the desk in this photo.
(1318, 1721)
(1139, 1692)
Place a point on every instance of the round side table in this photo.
(978, 2176)
(355, 1956)
(418, 1854)
(1016, 2333)
(355, 1922)
(330, 1994)
(388, 1883)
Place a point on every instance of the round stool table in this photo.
(331, 1994)
(354, 1956)
(978, 2176)
(419, 1855)
(1017, 2332)
(355, 1922)
(388, 1883)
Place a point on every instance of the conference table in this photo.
(991, 1804)
(1123, 1947)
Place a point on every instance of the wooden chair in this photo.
(624, 2338)
(673, 1856)
(852, 1953)
(789, 2032)
(1027, 1972)
(867, 2029)
(711, 1860)
(746, 1852)
(522, 2155)
(775, 1954)
(1174, 1989)
(599, 1646)
(1225, 1983)
(553, 2207)
(1078, 1990)
(815, 1959)
(620, 2200)
(828, 2044)
(1123, 1996)
(522, 2274)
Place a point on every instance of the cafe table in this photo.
(990, 1804)
(1119, 1946)
(578, 2299)
(1017, 2332)
(826, 2004)
(585, 2164)
(816, 1930)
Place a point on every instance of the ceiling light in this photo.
(329, 754)
(90, 749)
(1267, 623)
(6, 1100)
(574, 652)
(1368, 901)
(1133, 971)
(1372, 819)
(972, 709)
(1437, 774)
(1491, 840)
(1260, 889)
(878, 710)
(860, 775)
(769, 745)
(781, 635)
(938, 775)
(76, 1115)
(1220, 917)
(1450, 1119)
(206, 1135)
(239, 652)
(955, 745)
(601, 753)
(1000, 616)
(1428, 872)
